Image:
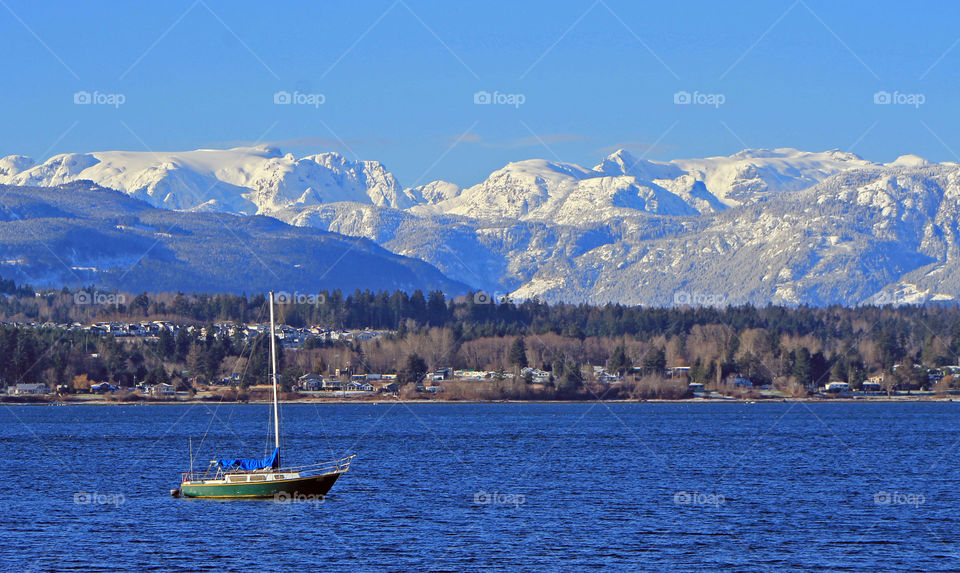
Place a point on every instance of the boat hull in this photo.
(281, 490)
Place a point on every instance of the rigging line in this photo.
(323, 428)
(220, 402)
(143, 454)
(229, 428)
(210, 423)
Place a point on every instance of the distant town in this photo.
(90, 346)
(353, 382)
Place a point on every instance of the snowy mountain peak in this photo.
(435, 191)
(622, 162)
(909, 161)
(248, 180)
(262, 179)
(13, 164)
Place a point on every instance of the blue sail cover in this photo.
(271, 461)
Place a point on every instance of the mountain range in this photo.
(761, 226)
(79, 234)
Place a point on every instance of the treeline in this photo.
(477, 316)
(77, 359)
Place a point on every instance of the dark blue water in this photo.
(658, 487)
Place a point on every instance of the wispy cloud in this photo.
(531, 141)
(320, 142)
(466, 138)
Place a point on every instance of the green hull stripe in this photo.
(313, 485)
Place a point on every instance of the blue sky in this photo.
(398, 79)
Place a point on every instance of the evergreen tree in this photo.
(414, 370)
(518, 353)
(572, 380)
(182, 344)
(619, 362)
(655, 362)
(802, 368)
(166, 346)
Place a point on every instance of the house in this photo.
(605, 377)
(232, 379)
(389, 388)
(678, 371)
(837, 387)
(30, 389)
(472, 374)
(739, 381)
(871, 386)
(443, 373)
(310, 382)
(102, 388)
(358, 386)
(331, 384)
(161, 390)
(537, 376)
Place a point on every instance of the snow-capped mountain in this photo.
(745, 176)
(79, 234)
(246, 180)
(782, 225)
(538, 190)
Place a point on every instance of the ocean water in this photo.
(465, 487)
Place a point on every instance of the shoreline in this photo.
(377, 402)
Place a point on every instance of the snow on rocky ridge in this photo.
(758, 226)
(244, 180)
(262, 179)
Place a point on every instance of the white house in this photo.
(161, 390)
(537, 376)
(359, 386)
(837, 388)
(30, 389)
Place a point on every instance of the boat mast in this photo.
(273, 363)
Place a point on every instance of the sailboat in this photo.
(263, 477)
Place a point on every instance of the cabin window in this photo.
(237, 478)
(258, 478)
